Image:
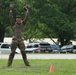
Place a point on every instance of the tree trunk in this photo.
(2, 32)
(61, 40)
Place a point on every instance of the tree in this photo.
(3, 18)
(56, 16)
(48, 18)
(2, 32)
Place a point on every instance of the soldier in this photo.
(17, 40)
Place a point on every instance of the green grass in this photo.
(39, 67)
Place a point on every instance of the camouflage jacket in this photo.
(17, 28)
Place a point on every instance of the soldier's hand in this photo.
(11, 6)
(10, 10)
(27, 10)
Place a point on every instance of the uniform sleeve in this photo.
(11, 18)
(25, 19)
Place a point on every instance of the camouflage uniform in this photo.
(17, 40)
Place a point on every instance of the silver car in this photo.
(38, 47)
(5, 48)
(69, 48)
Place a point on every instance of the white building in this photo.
(8, 40)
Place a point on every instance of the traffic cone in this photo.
(51, 69)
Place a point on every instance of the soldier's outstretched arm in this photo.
(26, 18)
(12, 21)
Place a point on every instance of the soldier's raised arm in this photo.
(27, 14)
(12, 21)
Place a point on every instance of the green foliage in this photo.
(9, 30)
(4, 6)
(58, 16)
(47, 18)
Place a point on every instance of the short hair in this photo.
(18, 16)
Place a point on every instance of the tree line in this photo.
(47, 19)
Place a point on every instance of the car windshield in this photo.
(35, 46)
(5, 46)
(55, 46)
(29, 46)
(69, 46)
(45, 45)
(38, 45)
(63, 48)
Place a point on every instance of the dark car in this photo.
(38, 47)
(69, 48)
(55, 48)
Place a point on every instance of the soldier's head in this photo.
(18, 19)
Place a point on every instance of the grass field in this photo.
(39, 67)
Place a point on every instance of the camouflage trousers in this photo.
(17, 42)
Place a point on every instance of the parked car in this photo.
(55, 48)
(38, 47)
(63, 49)
(69, 48)
(5, 48)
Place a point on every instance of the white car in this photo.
(5, 48)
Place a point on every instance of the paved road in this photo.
(41, 56)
